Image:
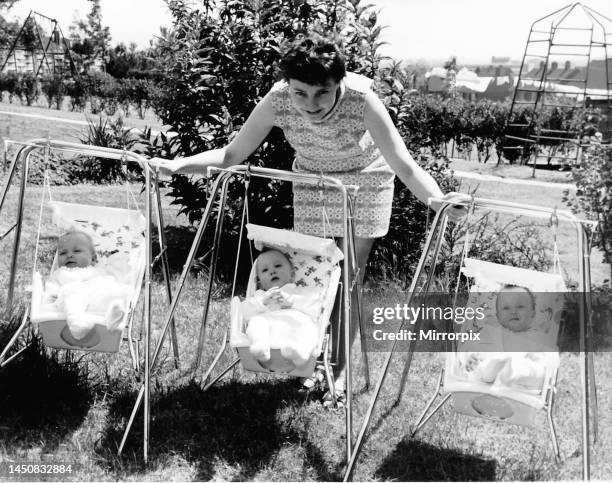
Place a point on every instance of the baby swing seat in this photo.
(119, 241)
(499, 401)
(315, 261)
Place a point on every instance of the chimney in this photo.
(568, 65)
(497, 71)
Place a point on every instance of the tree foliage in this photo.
(593, 178)
(89, 38)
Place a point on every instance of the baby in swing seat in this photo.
(526, 354)
(87, 293)
(281, 315)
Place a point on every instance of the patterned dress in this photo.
(339, 146)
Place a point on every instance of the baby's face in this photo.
(515, 309)
(273, 270)
(74, 250)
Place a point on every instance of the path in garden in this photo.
(499, 179)
(58, 119)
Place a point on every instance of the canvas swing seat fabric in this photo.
(316, 263)
(119, 241)
(513, 377)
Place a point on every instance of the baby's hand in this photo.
(273, 299)
(285, 301)
(472, 362)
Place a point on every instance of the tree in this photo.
(7, 4)
(89, 38)
(8, 29)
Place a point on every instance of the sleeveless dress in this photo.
(339, 146)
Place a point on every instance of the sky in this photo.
(471, 30)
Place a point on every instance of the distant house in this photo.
(436, 81)
(490, 82)
(580, 83)
(34, 58)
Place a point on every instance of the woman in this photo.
(339, 127)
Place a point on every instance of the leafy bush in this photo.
(137, 92)
(27, 88)
(394, 257)
(593, 195)
(8, 84)
(110, 134)
(61, 171)
(102, 89)
(53, 86)
(78, 90)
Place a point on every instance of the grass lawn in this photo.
(17, 127)
(73, 407)
(543, 173)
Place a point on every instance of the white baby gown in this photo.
(88, 296)
(292, 330)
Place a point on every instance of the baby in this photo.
(281, 315)
(84, 291)
(515, 310)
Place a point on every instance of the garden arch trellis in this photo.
(573, 47)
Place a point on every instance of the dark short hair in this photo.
(313, 59)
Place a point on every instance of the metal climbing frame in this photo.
(152, 201)
(47, 50)
(578, 33)
(432, 246)
(217, 200)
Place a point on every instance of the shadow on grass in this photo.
(417, 461)
(43, 395)
(235, 425)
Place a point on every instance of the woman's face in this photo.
(313, 102)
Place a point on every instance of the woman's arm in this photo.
(248, 139)
(390, 143)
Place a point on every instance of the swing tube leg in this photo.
(360, 438)
(171, 310)
(551, 425)
(346, 293)
(11, 342)
(430, 415)
(221, 375)
(584, 352)
(25, 154)
(410, 355)
(216, 359)
(131, 420)
(165, 266)
(328, 369)
(358, 287)
(147, 308)
(589, 329)
(426, 415)
(211, 272)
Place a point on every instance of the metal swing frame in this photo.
(433, 245)
(217, 198)
(152, 202)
